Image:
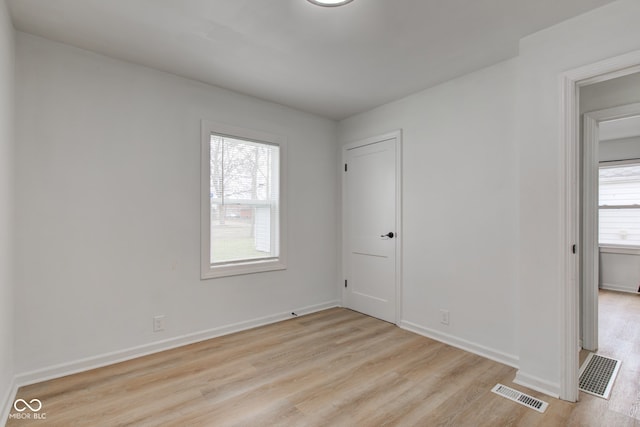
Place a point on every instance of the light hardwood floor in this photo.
(333, 368)
(619, 338)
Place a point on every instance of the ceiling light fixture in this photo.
(330, 3)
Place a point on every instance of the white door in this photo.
(372, 226)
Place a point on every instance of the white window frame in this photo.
(209, 271)
(612, 247)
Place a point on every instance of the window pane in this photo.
(619, 220)
(619, 226)
(244, 185)
(620, 185)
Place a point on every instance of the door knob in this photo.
(389, 235)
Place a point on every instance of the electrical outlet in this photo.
(158, 323)
(444, 317)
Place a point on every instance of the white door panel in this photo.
(370, 210)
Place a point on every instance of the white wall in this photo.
(108, 175)
(619, 271)
(459, 207)
(6, 203)
(611, 93)
(619, 149)
(603, 33)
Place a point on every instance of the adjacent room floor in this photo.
(336, 367)
(619, 338)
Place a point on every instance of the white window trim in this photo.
(618, 248)
(208, 271)
(615, 163)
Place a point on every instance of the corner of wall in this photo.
(466, 345)
(7, 400)
(8, 386)
(537, 384)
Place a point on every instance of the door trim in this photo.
(570, 83)
(397, 136)
(590, 250)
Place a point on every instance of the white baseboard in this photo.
(537, 384)
(81, 365)
(7, 401)
(480, 350)
(618, 288)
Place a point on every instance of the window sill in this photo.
(619, 249)
(213, 272)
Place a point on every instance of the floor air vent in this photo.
(597, 375)
(521, 398)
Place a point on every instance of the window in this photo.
(619, 200)
(242, 201)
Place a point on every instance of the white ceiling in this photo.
(622, 128)
(334, 62)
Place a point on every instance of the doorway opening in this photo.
(610, 180)
(571, 83)
(610, 259)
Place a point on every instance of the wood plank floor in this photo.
(333, 368)
(619, 338)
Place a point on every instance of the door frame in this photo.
(395, 135)
(590, 250)
(570, 83)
